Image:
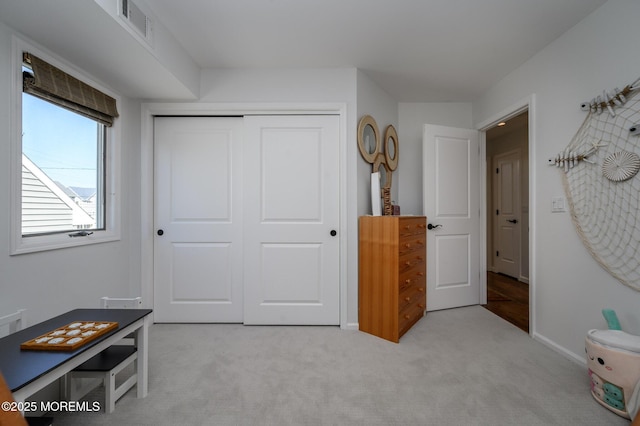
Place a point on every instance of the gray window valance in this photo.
(56, 86)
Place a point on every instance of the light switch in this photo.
(558, 205)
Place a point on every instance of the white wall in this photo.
(570, 287)
(278, 85)
(373, 101)
(377, 103)
(412, 118)
(304, 86)
(52, 282)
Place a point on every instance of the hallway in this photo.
(509, 299)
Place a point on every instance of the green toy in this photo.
(612, 319)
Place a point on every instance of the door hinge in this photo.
(497, 170)
(497, 212)
(497, 254)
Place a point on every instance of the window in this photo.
(65, 159)
(62, 169)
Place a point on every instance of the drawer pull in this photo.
(419, 257)
(407, 281)
(407, 263)
(420, 289)
(408, 299)
(407, 245)
(407, 316)
(420, 305)
(420, 274)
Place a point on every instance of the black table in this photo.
(28, 371)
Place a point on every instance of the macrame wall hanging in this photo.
(600, 179)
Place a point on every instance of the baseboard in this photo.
(352, 326)
(559, 349)
(523, 279)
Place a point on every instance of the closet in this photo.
(246, 216)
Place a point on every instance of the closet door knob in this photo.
(333, 233)
(160, 232)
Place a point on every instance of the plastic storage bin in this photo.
(613, 359)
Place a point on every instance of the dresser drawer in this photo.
(412, 295)
(411, 226)
(412, 277)
(409, 317)
(410, 243)
(411, 260)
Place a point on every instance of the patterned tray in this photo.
(70, 337)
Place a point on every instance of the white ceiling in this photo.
(417, 50)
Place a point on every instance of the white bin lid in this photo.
(616, 339)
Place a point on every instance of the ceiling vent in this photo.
(137, 20)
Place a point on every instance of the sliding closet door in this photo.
(198, 271)
(291, 206)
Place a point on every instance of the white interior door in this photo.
(291, 207)
(452, 206)
(198, 219)
(507, 207)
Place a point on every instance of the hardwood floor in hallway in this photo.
(509, 299)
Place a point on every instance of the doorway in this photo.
(509, 299)
(507, 183)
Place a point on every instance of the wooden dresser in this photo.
(392, 274)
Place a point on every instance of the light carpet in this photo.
(462, 366)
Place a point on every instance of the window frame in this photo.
(20, 244)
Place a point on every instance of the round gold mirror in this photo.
(391, 147)
(368, 138)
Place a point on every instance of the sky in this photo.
(61, 143)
